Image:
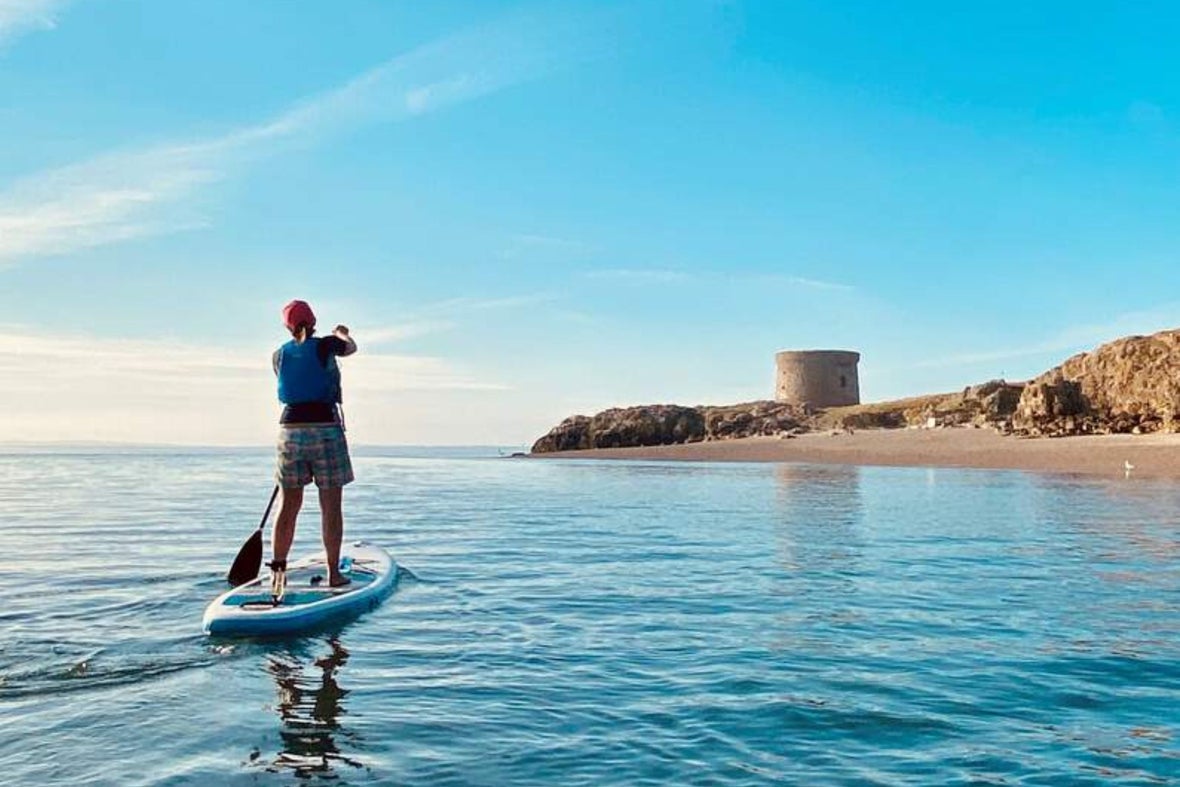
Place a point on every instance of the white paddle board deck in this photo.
(250, 609)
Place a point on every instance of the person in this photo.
(311, 443)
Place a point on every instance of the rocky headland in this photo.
(1128, 386)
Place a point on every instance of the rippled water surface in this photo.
(598, 623)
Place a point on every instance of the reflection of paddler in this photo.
(327, 699)
(310, 714)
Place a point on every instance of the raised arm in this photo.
(341, 333)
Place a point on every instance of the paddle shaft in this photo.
(269, 506)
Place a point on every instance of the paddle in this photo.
(249, 560)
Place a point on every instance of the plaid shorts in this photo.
(307, 452)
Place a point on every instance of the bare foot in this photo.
(339, 581)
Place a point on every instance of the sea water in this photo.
(565, 622)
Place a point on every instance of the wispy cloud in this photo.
(376, 336)
(428, 97)
(991, 356)
(457, 307)
(532, 239)
(427, 319)
(665, 275)
(129, 194)
(1068, 340)
(105, 200)
(382, 374)
(184, 392)
(640, 275)
(525, 244)
(18, 17)
(801, 281)
(34, 363)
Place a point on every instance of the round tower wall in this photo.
(821, 378)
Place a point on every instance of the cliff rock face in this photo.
(1128, 385)
(660, 424)
(997, 399)
(752, 419)
(665, 424)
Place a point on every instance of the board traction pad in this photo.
(256, 595)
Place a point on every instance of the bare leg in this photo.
(332, 520)
(284, 530)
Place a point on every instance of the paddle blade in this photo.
(248, 562)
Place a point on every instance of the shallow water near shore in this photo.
(567, 622)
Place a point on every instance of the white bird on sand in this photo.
(1127, 467)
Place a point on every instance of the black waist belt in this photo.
(309, 413)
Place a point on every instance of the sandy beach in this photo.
(1152, 455)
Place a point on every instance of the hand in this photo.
(341, 331)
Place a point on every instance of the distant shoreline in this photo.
(1153, 455)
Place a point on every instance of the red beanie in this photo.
(298, 313)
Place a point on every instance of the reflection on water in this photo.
(819, 546)
(819, 513)
(310, 705)
(1126, 515)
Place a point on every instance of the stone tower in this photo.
(821, 378)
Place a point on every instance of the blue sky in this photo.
(526, 210)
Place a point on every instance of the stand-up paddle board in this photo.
(307, 601)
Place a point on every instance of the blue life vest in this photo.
(302, 378)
